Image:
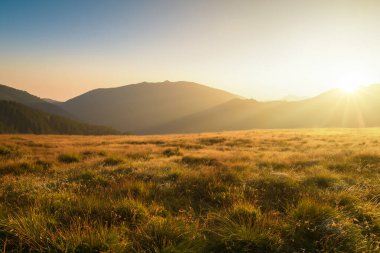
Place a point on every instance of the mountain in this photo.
(331, 109)
(19, 118)
(134, 108)
(11, 94)
(236, 114)
(185, 107)
(292, 98)
(51, 101)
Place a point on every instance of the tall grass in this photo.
(253, 191)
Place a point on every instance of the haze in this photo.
(260, 49)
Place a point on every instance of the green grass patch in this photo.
(198, 161)
(5, 151)
(112, 161)
(172, 152)
(211, 141)
(69, 158)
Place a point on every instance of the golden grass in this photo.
(309, 190)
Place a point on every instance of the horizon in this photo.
(255, 49)
(190, 126)
(289, 97)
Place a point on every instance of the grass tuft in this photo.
(5, 151)
(69, 158)
(172, 152)
(112, 161)
(198, 161)
(318, 227)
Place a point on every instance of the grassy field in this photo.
(251, 191)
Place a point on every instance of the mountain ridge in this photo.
(333, 108)
(18, 118)
(188, 107)
(8, 93)
(144, 104)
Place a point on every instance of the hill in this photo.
(11, 94)
(18, 118)
(331, 109)
(292, 98)
(136, 107)
(51, 101)
(185, 107)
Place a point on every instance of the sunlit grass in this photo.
(254, 191)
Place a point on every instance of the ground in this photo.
(311, 190)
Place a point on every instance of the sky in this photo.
(263, 49)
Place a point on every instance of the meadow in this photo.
(311, 190)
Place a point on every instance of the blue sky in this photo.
(259, 49)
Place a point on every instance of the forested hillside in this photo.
(18, 118)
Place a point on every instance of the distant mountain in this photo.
(52, 101)
(292, 98)
(134, 108)
(19, 118)
(185, 107)
(331, 109)
(10, 94)
(231, 115)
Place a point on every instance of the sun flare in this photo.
(350, 89)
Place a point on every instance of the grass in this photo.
(172, 152)
(69, 158)
(250, 191)
(112, 161)
(5, 151)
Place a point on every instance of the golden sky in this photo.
(258, 49)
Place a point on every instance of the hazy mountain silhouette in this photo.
(185, 107)
(19, 118)
(292, 98)
(52, 101)
(11, 94)
(136, 107)
(331, 109)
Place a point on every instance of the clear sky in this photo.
(259, 49)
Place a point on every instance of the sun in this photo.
(350, 89)
(351, 83)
